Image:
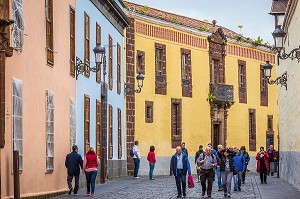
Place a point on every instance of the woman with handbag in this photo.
(227, 168)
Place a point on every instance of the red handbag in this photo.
(191, 183)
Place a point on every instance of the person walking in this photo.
(136, 159)
(262, 164)
(247, 160)
(184, 150)
(207, 162)
(90, 165)
(179, 166)
(226, 167)
(272, 159)
(200, 151)
(240, 166)
(73, 164)
(152, 160)
(220, 185)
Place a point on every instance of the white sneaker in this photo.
(136, 177)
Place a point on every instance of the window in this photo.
(158, 63)
(140, 62)
(270, 122)
(184, 68)
(148, 111)
(242, 81)
(110, 131)
(118, 68)
(87, 44)
(18, 26)
(17, 119)
(49, 31)
(99, 140)
(110, 63)
(263, 88)
(186, 72)
(119, 134)
(49, 131)
(252, 130)
(72, 122)
(86, 123)
(218, 72)
(72, 42)
(176, 129)
(98, 42)
(160, 69)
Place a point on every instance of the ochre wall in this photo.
(30, 67)
(196, 123)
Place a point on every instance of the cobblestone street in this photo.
(164, 187)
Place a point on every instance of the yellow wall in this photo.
(196, 122)
(238, 118)
(30, 67)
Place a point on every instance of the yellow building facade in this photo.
(202, 85)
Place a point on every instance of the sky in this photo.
(251, 14)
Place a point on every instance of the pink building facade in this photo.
(39, 96)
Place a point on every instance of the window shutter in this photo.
(72, 42)
(119, 134)
(110, 122)
(87, 44)
(110, 64)
(99, 140)
(86, 123)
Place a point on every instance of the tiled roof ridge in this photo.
(186, 21)
(141, 7)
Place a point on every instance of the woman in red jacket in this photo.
(262, 164)
(152, 160)
(90, 165)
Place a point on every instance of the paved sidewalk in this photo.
(164, 187)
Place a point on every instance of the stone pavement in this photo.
(164, 187)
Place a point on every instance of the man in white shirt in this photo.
(136, 159)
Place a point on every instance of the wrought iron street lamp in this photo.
(100, 58)
(130, 90)
(279, 80)
(278, 36)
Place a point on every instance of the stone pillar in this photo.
(130, 98)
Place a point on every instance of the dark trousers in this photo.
(263, 176)
(151, 170)
(136, 166)
(90, 181)
(180, 180)
(244, 175)
(207, 174)
(69, 180)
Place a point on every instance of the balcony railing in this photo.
(222, 93)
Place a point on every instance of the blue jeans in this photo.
(90, 181)
(237, 180)
(220, 185)
(69, 180)
(226, 179)
(136, 166)
(180, 180)
(151, 170)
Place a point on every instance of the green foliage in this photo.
(145, 9)
(239, 37)
(211, 97)
(240, 27)
(205, 20)
(223, 42)
(258, 41)
(174, 19)
(203, 28)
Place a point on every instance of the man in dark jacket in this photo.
(179, 166)
(184, 150)
(72, 163)
(272, 159)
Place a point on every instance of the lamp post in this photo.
(100, 58)
(278, 36)
(282, 80)
(130, 90)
